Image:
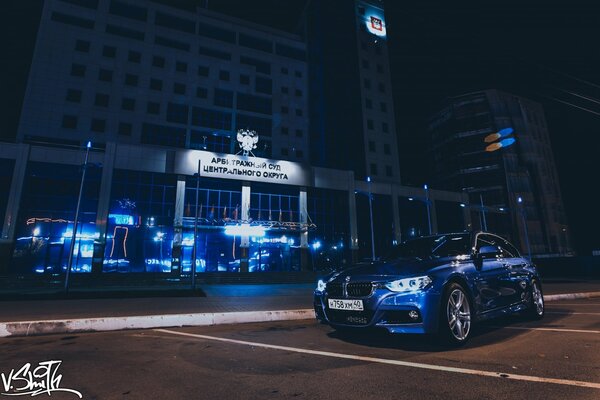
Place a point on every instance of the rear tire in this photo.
(537, 307)
(456, 315)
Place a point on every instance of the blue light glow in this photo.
(89, 144)
(505, 132)
(245, 230)
(316, 245)
(121, 219)
(507, 142)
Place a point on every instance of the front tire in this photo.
(455, 315)
(537, 306)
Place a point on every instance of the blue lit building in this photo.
(161, 93)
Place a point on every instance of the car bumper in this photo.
(385, 309)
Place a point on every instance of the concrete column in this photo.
(245, 240)
(305, 263)
(7, 236)
(178, 225)
(434, 224)
(352, 217)
(14, 197)
(396, 214)
(108, 164)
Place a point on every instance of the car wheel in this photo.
(536, 307)
(455, 315)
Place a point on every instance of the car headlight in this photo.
(321, 285)
(409, 284)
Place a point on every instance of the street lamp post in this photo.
(371, 218)
(523, 216)
(194, 249)
(426, 187)
(483, 219)
(74, 234)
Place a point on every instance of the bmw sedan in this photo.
(440, 284)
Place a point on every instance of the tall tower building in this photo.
(511, 176)
(351, 104)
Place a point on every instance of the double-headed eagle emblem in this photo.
(247, 140)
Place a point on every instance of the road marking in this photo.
(466, 371)
(572, 304)
(524, 328)
(571, 313)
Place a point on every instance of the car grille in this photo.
(349, 317)
(353, 289)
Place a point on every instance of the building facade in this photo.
(495, 147)
(351, 105)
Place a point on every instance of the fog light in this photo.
(413, 314)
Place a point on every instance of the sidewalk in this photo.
(220, 304)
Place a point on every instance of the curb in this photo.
(30, 328)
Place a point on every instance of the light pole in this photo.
(74, 234)
(194, 249)
(523, 216)
(483, 219)
(371, 218)
(426, 187)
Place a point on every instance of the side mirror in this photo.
(486, 252)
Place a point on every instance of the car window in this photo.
(431, 247)
(512, 250)
(490, 240)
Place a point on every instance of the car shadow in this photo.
(484, 333)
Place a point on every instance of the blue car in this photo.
(440, 284)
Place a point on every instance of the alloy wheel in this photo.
(458, 313)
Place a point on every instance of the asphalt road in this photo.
(556, 358)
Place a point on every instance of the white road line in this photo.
(466, 371)
(572, 304)
(571, 313)
(524, 328)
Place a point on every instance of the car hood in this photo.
(397, 268)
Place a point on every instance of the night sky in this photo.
(546, 51)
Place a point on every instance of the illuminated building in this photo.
(472, 123)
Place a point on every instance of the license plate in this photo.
(351, 305)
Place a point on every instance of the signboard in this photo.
(374, 19)
(244, 168)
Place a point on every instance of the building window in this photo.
(285, 89)
(201, 92)
(368, 104)
(158, 62)
(284, 70)
(378, 50)
(178, 88)
(73, 95)
(69, 122)
(284, 151)
(156, 84)
(128, 104)
(384, 127)
(109, 51)
(134, 56)
(223, 98)
(298, 93)
(83, 46)
(153, 108)
(361, 10)
(371, 146)
(373, 169)
(244, 79)
(101, 100)
(298, 112)
(382, 88)
(383, 107)
(224, 75)
(388, 170)
(284, 130)
(370, 123)
(125, 129)
(285, 110)
(77, 70)
(367, 84)
(365, 64)
(386, 149)
(131, 80)
(364, 46)
(380, 68)
(263, 85)
(299, 133)
(180, 66)
(202, 70)
(298, 74)
(98, 125)
(299, 153)
(105, 75)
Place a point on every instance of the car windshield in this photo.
(432, 247)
